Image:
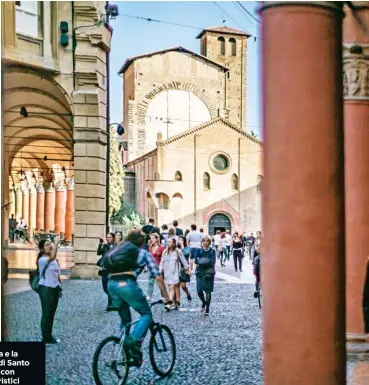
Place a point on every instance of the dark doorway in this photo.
(219, 222)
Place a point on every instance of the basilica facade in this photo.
(188, 154)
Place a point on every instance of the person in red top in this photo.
(156, 250)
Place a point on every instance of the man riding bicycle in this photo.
(125, 263)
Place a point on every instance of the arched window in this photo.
(232, 43)
(206, 181)
(178, 176)
(234, 182)
(221, 42)
(163, 201)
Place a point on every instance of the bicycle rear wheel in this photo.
(109, 364)
(162, 350)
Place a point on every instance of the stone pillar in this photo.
(69, 215)
(49, 208)
(18, 204)
(90, 138)
(60, 210)
(12, 200)
(40, 215)
(356, 113)
(25, 205)
(303, 194)
(32, 209)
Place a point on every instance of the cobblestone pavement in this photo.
(225, 348)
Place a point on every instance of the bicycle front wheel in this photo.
(162, 350)
(109, 364)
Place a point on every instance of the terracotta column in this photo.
(60, 210)
(69, 214)
(12, 199)
(25, 205)
(40, 210)
(49, 208)
(18, 204)
(32, 209)
(356, 113)
(303, 196)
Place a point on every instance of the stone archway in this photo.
(220, 222)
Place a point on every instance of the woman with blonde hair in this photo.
(170, 266)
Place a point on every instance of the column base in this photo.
(85, 272)
(357, 346)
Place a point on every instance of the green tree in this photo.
(116, 175)
(127, 218)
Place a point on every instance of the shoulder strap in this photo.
(44, 271)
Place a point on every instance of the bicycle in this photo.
(117, 362)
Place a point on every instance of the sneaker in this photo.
(236, 270)
(167, 307)
(189, 298)
(206, 313)
(178, 303)
(173, 307)
(52, 341)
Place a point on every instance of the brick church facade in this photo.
(189, 156)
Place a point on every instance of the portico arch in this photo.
(219, 221)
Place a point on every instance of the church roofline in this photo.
(130, 60)
(207, 124)
(225, 30)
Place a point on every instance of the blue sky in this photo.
(133, 37)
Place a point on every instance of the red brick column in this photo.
(25, 205)
(40, 215)
(60, 210)
(303, 270)
(32, 209)
(69, 215)
(49, 208)
(356, 113)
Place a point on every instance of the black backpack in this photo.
(122, 258)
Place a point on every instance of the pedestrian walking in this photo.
(170, 267)
(237, 252)
(250, 245)
(102, 249)
(156, 250)
(222, 249)
(217, 242)
(49, 288)
(149, 229)
(185, 278)
(179, 232)
(12, 227)
(205, 261)
(194, 238)
(172, 234)
(164, 235)
(228, 237)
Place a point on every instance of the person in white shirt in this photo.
(217, 242)
(228, 238)
(194, 239)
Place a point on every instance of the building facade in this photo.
(54, 89)
(187, 144)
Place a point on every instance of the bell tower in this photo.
(228, 46)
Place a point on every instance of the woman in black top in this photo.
(102, 250)
(237, 251)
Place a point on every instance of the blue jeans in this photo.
(126, 293)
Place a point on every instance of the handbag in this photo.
(34, 278)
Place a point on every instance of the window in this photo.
(178, 176)
(232, 43)
(28, 17)
(163, 201)
(234, 182)
(220, 163)
(221, 42)
(206, 181)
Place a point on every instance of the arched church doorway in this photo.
(219, 222)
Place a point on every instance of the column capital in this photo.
(332, 5)
(356, 77)
(48, 187)
(70, 183)
(40, 188)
